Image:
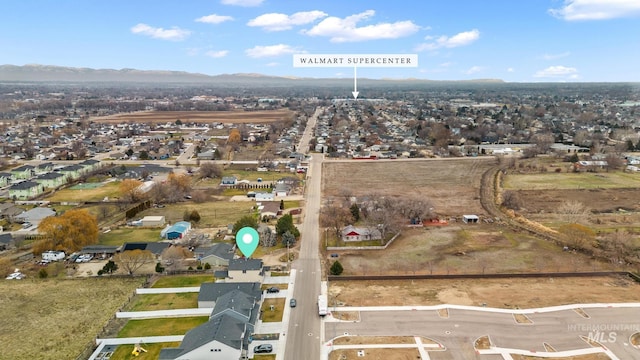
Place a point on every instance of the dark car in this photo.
(273, 289)
(293, 303)
(263, 348)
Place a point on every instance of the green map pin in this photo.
(247, 240)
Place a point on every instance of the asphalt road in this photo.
(560, 329)
(303, 335)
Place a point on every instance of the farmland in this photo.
(234, 116)
(452, 185)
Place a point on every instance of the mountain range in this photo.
(51, 73)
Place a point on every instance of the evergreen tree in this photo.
(355, 212)
(336, 268)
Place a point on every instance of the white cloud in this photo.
(272, 64)
(217, 54)
(244, 3)
(173, 34)
(460, 39)
(511, 70)
(269, 51)
(346, 30)
(576, 10)
(214, 19)
(557, 72)
(474, 70)
(555, 56)
(280, 22)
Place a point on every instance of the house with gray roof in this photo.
(25, 190)
(35, 215)
(51, 180)
(218, 254)
(44, 168)
(72, 171)
(226, 334)
(245, 270)
(6, 241)
(210, 292)
(23, 172)
(5, 178)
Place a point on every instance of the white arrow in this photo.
(355, 85)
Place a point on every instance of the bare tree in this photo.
(614, 161)
(132, 260)
(210, 170)
(511, 200)
(335, 216)
(174, 256)
(574, 212)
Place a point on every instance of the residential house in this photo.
(211, 291)
(245, 270)
(218, 254)
(282, 189)
(227, 333)
(51, 180)
(72, 171)
(44, 168)
(9, 211)
(25, 190)
(265, 196)
(352, 233)
(90, 165)
(5, 178)
(156, 248)
(6, 241)
(100, 251)
(24, 172)
(35, 215)
(269, 209)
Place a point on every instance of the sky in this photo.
(512, 40)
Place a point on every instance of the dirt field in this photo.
(598, 200)
(452, 185)
(465, 249)
(235, 116)
(499, 293)
(376, 354)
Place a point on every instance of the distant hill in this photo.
(50, 73)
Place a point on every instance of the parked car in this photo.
(273, 289)
(263, 348)
(293, 303)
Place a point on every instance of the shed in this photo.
(176, 231)
(470, 219)
(153, 221)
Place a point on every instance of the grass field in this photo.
(212, 214)
(148, 302)
(558, 181)
(278, 309)
(57, 319)
(161, 327)
(235, 116)
(452, 185)
(117, 237)
(123, 352)
(109, 190)
(182, 281)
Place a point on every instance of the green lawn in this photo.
(150, 302)
(552, 180)
(120, 236)
(161, 327)
(123, 352)
(110, 190)
(278, 309)
(182, 281)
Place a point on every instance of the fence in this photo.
(633, 276)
